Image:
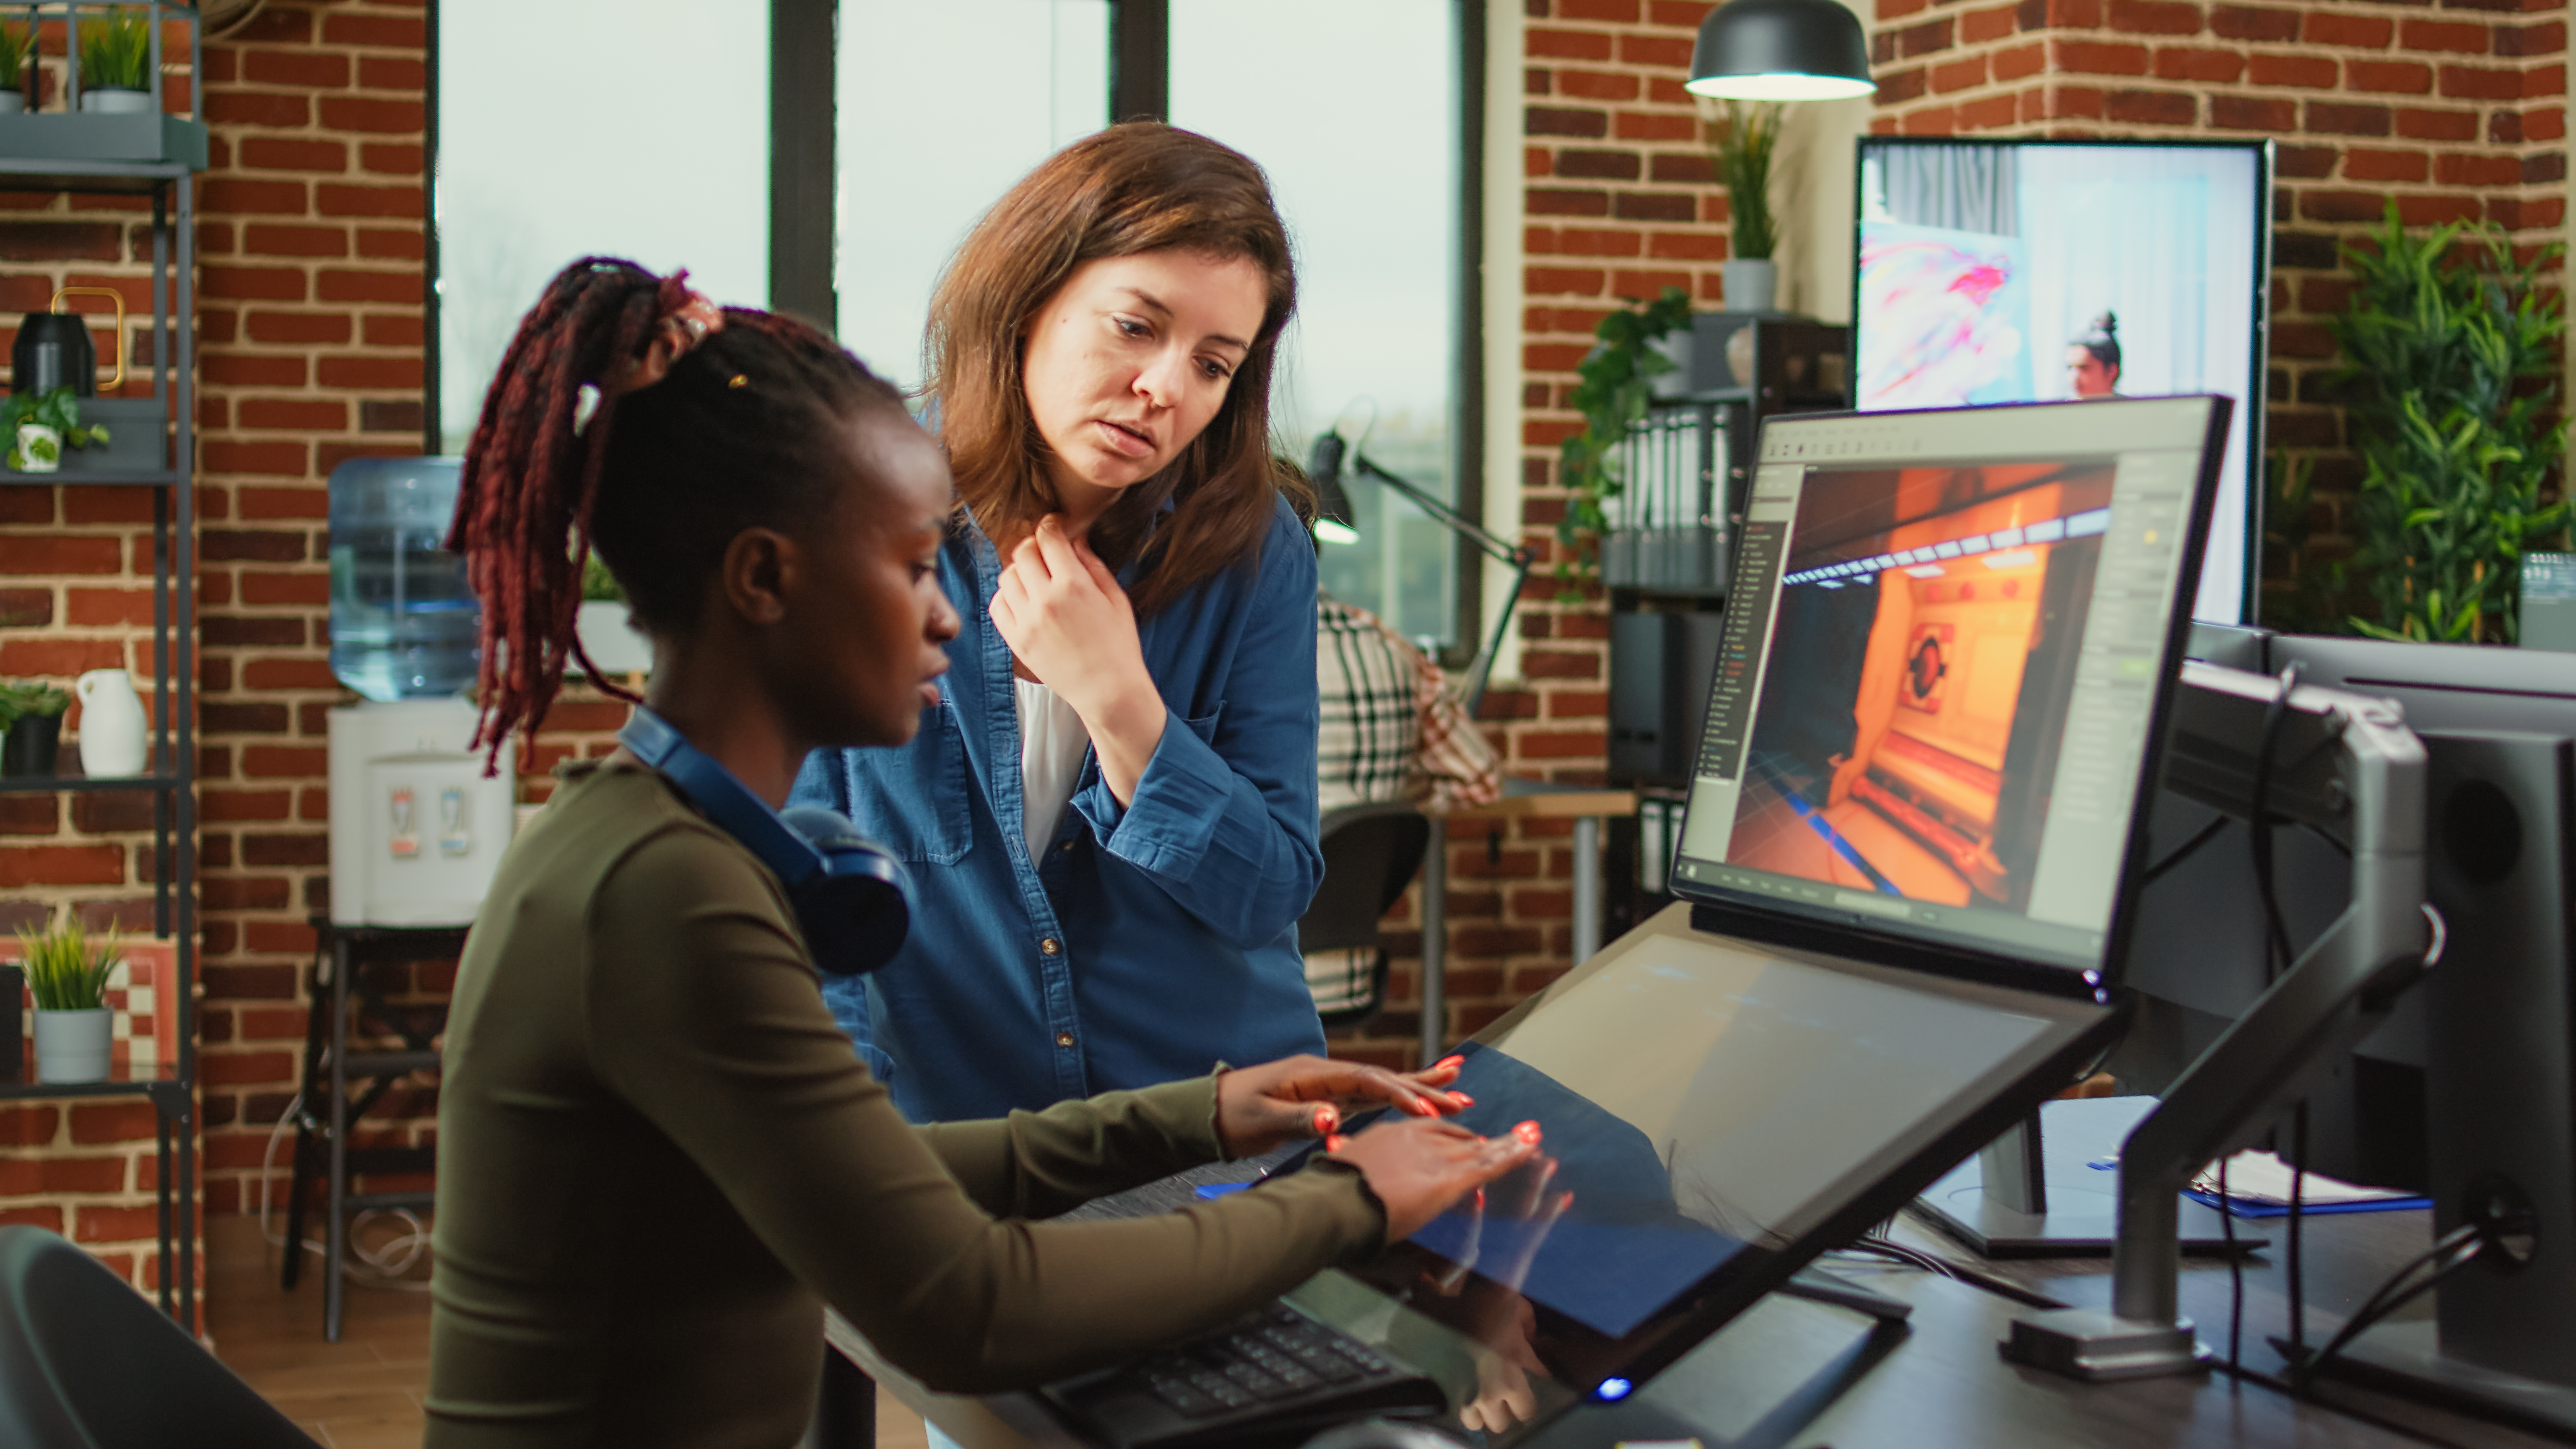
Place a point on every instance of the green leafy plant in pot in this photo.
(67, 972)
(2450, 394)
(607, 635)
(38, 428)
(116, 64)
(17, 51)
(32, 715)
(1742, 142)
(1614, 387)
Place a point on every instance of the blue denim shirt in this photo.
(1148, 941)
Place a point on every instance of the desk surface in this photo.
(1801, 1375)
(1545, 799)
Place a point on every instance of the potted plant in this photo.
(32, 713)
(1615, 386)
(39, 428)
(1742, 142)
(614, 644)
(67, 973)
(116, 64)
(17, 47)
(2450, 393)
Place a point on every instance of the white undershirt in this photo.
(1052, 742)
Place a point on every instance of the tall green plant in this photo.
(1612, 389)
(2450, 394)
(115, 53)
(1741, 142)
(66, 970)
(17, 43)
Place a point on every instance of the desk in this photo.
(1798, 1375)
(1522, 799)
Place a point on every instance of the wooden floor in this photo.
(364, 1391)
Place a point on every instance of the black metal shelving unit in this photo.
(132, 461)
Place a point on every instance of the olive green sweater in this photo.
(659, 1159)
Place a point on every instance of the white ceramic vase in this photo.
(40, 449)
(115, 739)
(72, 1046)
(1752, 284)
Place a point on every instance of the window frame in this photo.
(804, 54)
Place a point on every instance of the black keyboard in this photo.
(1272, 1376)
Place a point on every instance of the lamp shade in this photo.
(1781, 50)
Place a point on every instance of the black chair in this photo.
(1371, 853)
(86, 1363)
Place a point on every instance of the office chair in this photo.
(1371, 853)
(86, 1363)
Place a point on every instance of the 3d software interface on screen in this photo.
(1931, 706)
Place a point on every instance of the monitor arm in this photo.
(2346, 764)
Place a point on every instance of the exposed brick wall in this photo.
(2456, 109)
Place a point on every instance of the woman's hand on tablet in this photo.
(1419, 1167)
(1065, 617)
(1276, 1103)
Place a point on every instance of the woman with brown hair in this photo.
(1111, 810)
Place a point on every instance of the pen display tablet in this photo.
(1710, 1110)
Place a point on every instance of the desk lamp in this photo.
(1333, 524)
(1780, 50)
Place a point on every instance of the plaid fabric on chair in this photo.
(1391, 730)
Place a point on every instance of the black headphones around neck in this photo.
(853, 899)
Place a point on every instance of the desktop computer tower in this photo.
(1660, 667)
(2501, 1089)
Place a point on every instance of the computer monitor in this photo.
(2029, 271)
(2197, 959)
(1950, 637)
(1946, 658)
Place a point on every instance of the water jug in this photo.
(403, 623)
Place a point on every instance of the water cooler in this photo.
(416, 828)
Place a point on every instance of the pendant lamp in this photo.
(1781, 50)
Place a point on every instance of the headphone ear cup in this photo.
(857, 910)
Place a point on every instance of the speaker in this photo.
(1660, 668)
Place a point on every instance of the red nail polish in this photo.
(1463, 1100)
(1335, 1143)
(1325, 1120)
(1446, 1062)
(1420, 1108)
(1527, 1132)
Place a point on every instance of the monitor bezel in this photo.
(2259, 335)
(1784, 923)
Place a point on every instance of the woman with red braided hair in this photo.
(659, 1157)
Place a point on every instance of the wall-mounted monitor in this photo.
(2041, 271)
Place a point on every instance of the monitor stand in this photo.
(1818, 1286)
(2068, 1208)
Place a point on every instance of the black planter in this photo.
(31, 746)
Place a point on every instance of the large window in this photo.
(562, 134)
(1350, 106)
(940, 108)
(646, 137)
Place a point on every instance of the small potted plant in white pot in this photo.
(17, 48)
(37, 429)
(613, 643)
(116, 65)
(1742, 142)
(67, 973)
